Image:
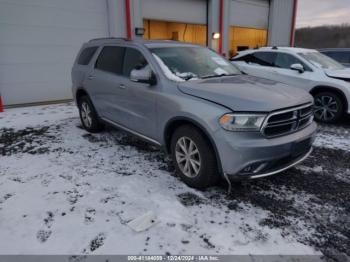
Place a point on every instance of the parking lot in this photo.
(65, 191)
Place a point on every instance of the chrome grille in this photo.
(288, 121)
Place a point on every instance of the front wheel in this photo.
(328, 107)
(194, 158)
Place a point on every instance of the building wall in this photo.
(40, 39)
(280, 22)
(258, 11)
(116, 18)
(194, 11)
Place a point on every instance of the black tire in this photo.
(95, 125)
(329, 107)
(208, 172)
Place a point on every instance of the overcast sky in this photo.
(323, 12)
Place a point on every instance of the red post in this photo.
(1, 107)
(221, 17)
(294, 16)
(128, 19)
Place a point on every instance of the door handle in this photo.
(122, 86)
(90, 77)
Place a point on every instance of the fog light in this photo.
(254, 168)
(248, 169)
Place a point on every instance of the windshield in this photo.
(190, 63)
(321, 60)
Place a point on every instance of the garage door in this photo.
(242, 38)
(184, 32)
(181, 20)
(249, 13)
(184, 11)
(38, 43)
(248, 24)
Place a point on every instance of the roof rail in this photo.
(108, 38)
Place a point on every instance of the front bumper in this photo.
(280, 168)
(245, 155)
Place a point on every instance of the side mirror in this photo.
(297, 67)
(143, 75)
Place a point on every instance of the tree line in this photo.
(323, 36)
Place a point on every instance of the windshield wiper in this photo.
(186, 78)
(220, 75)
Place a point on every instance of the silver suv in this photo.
(213, 120)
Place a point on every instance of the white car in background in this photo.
(326, 79)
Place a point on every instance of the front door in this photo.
(283, 73)
(141, 97)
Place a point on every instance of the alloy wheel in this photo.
(86, 114)
(188, 157)
(325, 108)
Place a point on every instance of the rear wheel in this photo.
(328, 107)
(88, 115)
(194, 158)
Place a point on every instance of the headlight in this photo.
(242, 122)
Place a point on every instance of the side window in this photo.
(286, 60)
(264, 58)
(111, 59)
(86, 55)
(133, 60)
(246, 58)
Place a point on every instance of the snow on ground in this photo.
(65, 191)
(334, 136)
(36, 115)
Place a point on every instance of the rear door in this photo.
(105, 85)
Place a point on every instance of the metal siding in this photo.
(249, 13)
(280, 24)
(116, 18)
(187, 11)
(39, 41)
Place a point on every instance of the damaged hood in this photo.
(339, 73)
(246, 93)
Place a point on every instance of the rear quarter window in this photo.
(86, 55)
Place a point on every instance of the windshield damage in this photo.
(192, 63)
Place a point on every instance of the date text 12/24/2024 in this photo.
(173, 258)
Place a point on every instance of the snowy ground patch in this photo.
(65, 191)
(334, 136)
